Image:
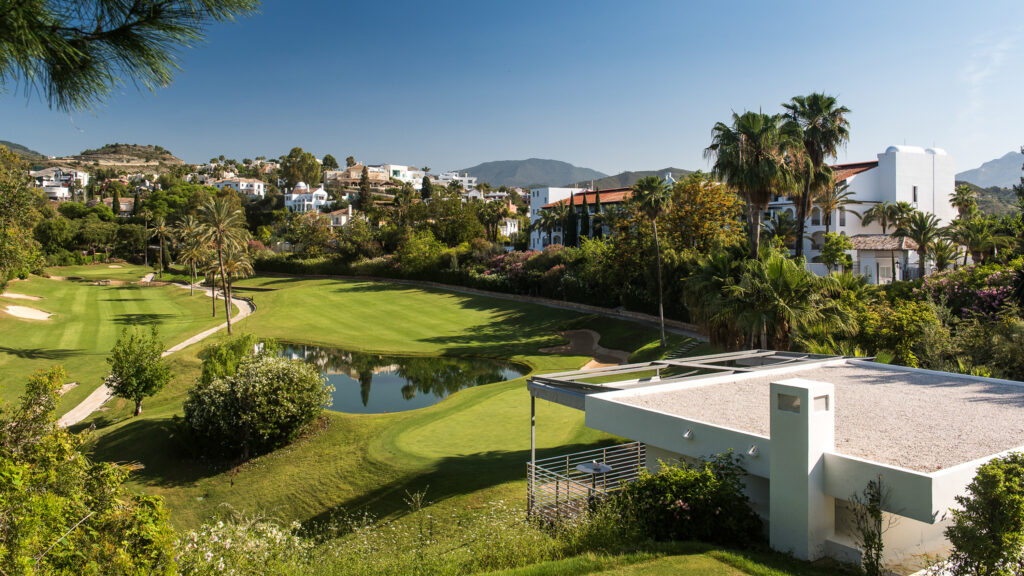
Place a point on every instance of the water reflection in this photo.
(375, 383)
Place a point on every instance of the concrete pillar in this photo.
(802, 517)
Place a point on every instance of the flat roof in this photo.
(916, 419)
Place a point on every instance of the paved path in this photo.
(100, 395)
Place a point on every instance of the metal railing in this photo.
(557, 489)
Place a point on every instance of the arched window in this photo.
(815, 217)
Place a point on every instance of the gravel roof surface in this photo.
(924, 422)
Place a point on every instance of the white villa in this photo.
(302, 199)
(251, 187)
(341, 217)
(923, 177)
(539, 198)
(812, 431)
(57, 182)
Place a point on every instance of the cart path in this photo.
(101, 395)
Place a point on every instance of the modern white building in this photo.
(922, 177)
(250, 187)
(302, 199)
(465, 180)
(812, 432)
(57, 182)
(508, 227)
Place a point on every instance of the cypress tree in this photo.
(585, 218)
(571, 233)
(599, 231)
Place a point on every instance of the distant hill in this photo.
(994, 199)
(22, 151)
(627, 179)
(531, 172)
(127, 154)
(1002, 172)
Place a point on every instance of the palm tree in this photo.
(752, 156)
(654, 198)
(560, 218)
(923, 228)
(223, 226)
(776, 296)
(189, 233)
(163, 233)
(824, 129)
(783, 226)
(881, 213)
(964, 199)
(980, 236)
(831, 199)
(236, 265)
(944, 252)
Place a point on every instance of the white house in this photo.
(57, 182)
(923, 177)
(508, 226)
(341, 217)
(811, 430)
(250, 187)
(302, 199)
(465, 180)
(539, 198)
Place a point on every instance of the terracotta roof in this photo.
(881, 242)
(610, 196)
(841, 172)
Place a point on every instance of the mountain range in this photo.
(627, 179)
(1003, 172)
(24, 152)
(531, 172)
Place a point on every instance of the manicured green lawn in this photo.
(464, 451)
(86, 322)
(101, 271)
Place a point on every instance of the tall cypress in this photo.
(585, 218)
(599, 229)
(571, 234)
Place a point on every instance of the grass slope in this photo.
(467, 450)
(86, 322)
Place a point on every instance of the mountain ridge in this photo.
(531, 172)
(1003, 172)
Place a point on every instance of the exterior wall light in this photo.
(688, 434)
(753, 451)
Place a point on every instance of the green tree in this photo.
(923, 228)
(193, 250)
(223, 227)
(571, 233)
(751, 156)
(236, 264)
(350, 162)
(136, 368)
(783, 226)
(654, 198)
(987, 533)
(585, 219)
(365, 200)
(833, 199)
(76, 54)
(834, 252)
(163, 233)
(300, 166)
(62, 513)
(426, 188)
(823, 129)
(329, 162)
(964, 199)
(314, 233)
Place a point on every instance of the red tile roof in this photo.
(841, 172)
(610, 196)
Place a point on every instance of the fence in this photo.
(561, 487)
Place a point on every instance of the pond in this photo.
(375, 383)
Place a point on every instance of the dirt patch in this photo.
(585, 343)
(67, 388)
(27, 313)
(14, 296)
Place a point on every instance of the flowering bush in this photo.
(266, 404)
(971, 289)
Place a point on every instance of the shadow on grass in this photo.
(158, 446)
(150, 319)
(41, 353)
(450, 477)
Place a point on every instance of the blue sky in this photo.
(606, 85)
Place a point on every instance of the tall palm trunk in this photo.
(191, 278)
(661, 306)
(224, 282)
(921, 256)
(802, 210)
(755, 231)
(160, 272)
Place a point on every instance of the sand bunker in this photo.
(14, 296)
(115, 266)
(585, 343)
(27, 313)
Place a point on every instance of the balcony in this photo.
(561, 487)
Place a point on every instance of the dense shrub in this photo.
(683, 502)
(988, 532)
(896, 328)
(420, 253)
(971, 289)
(222, 359)
(266, 404)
